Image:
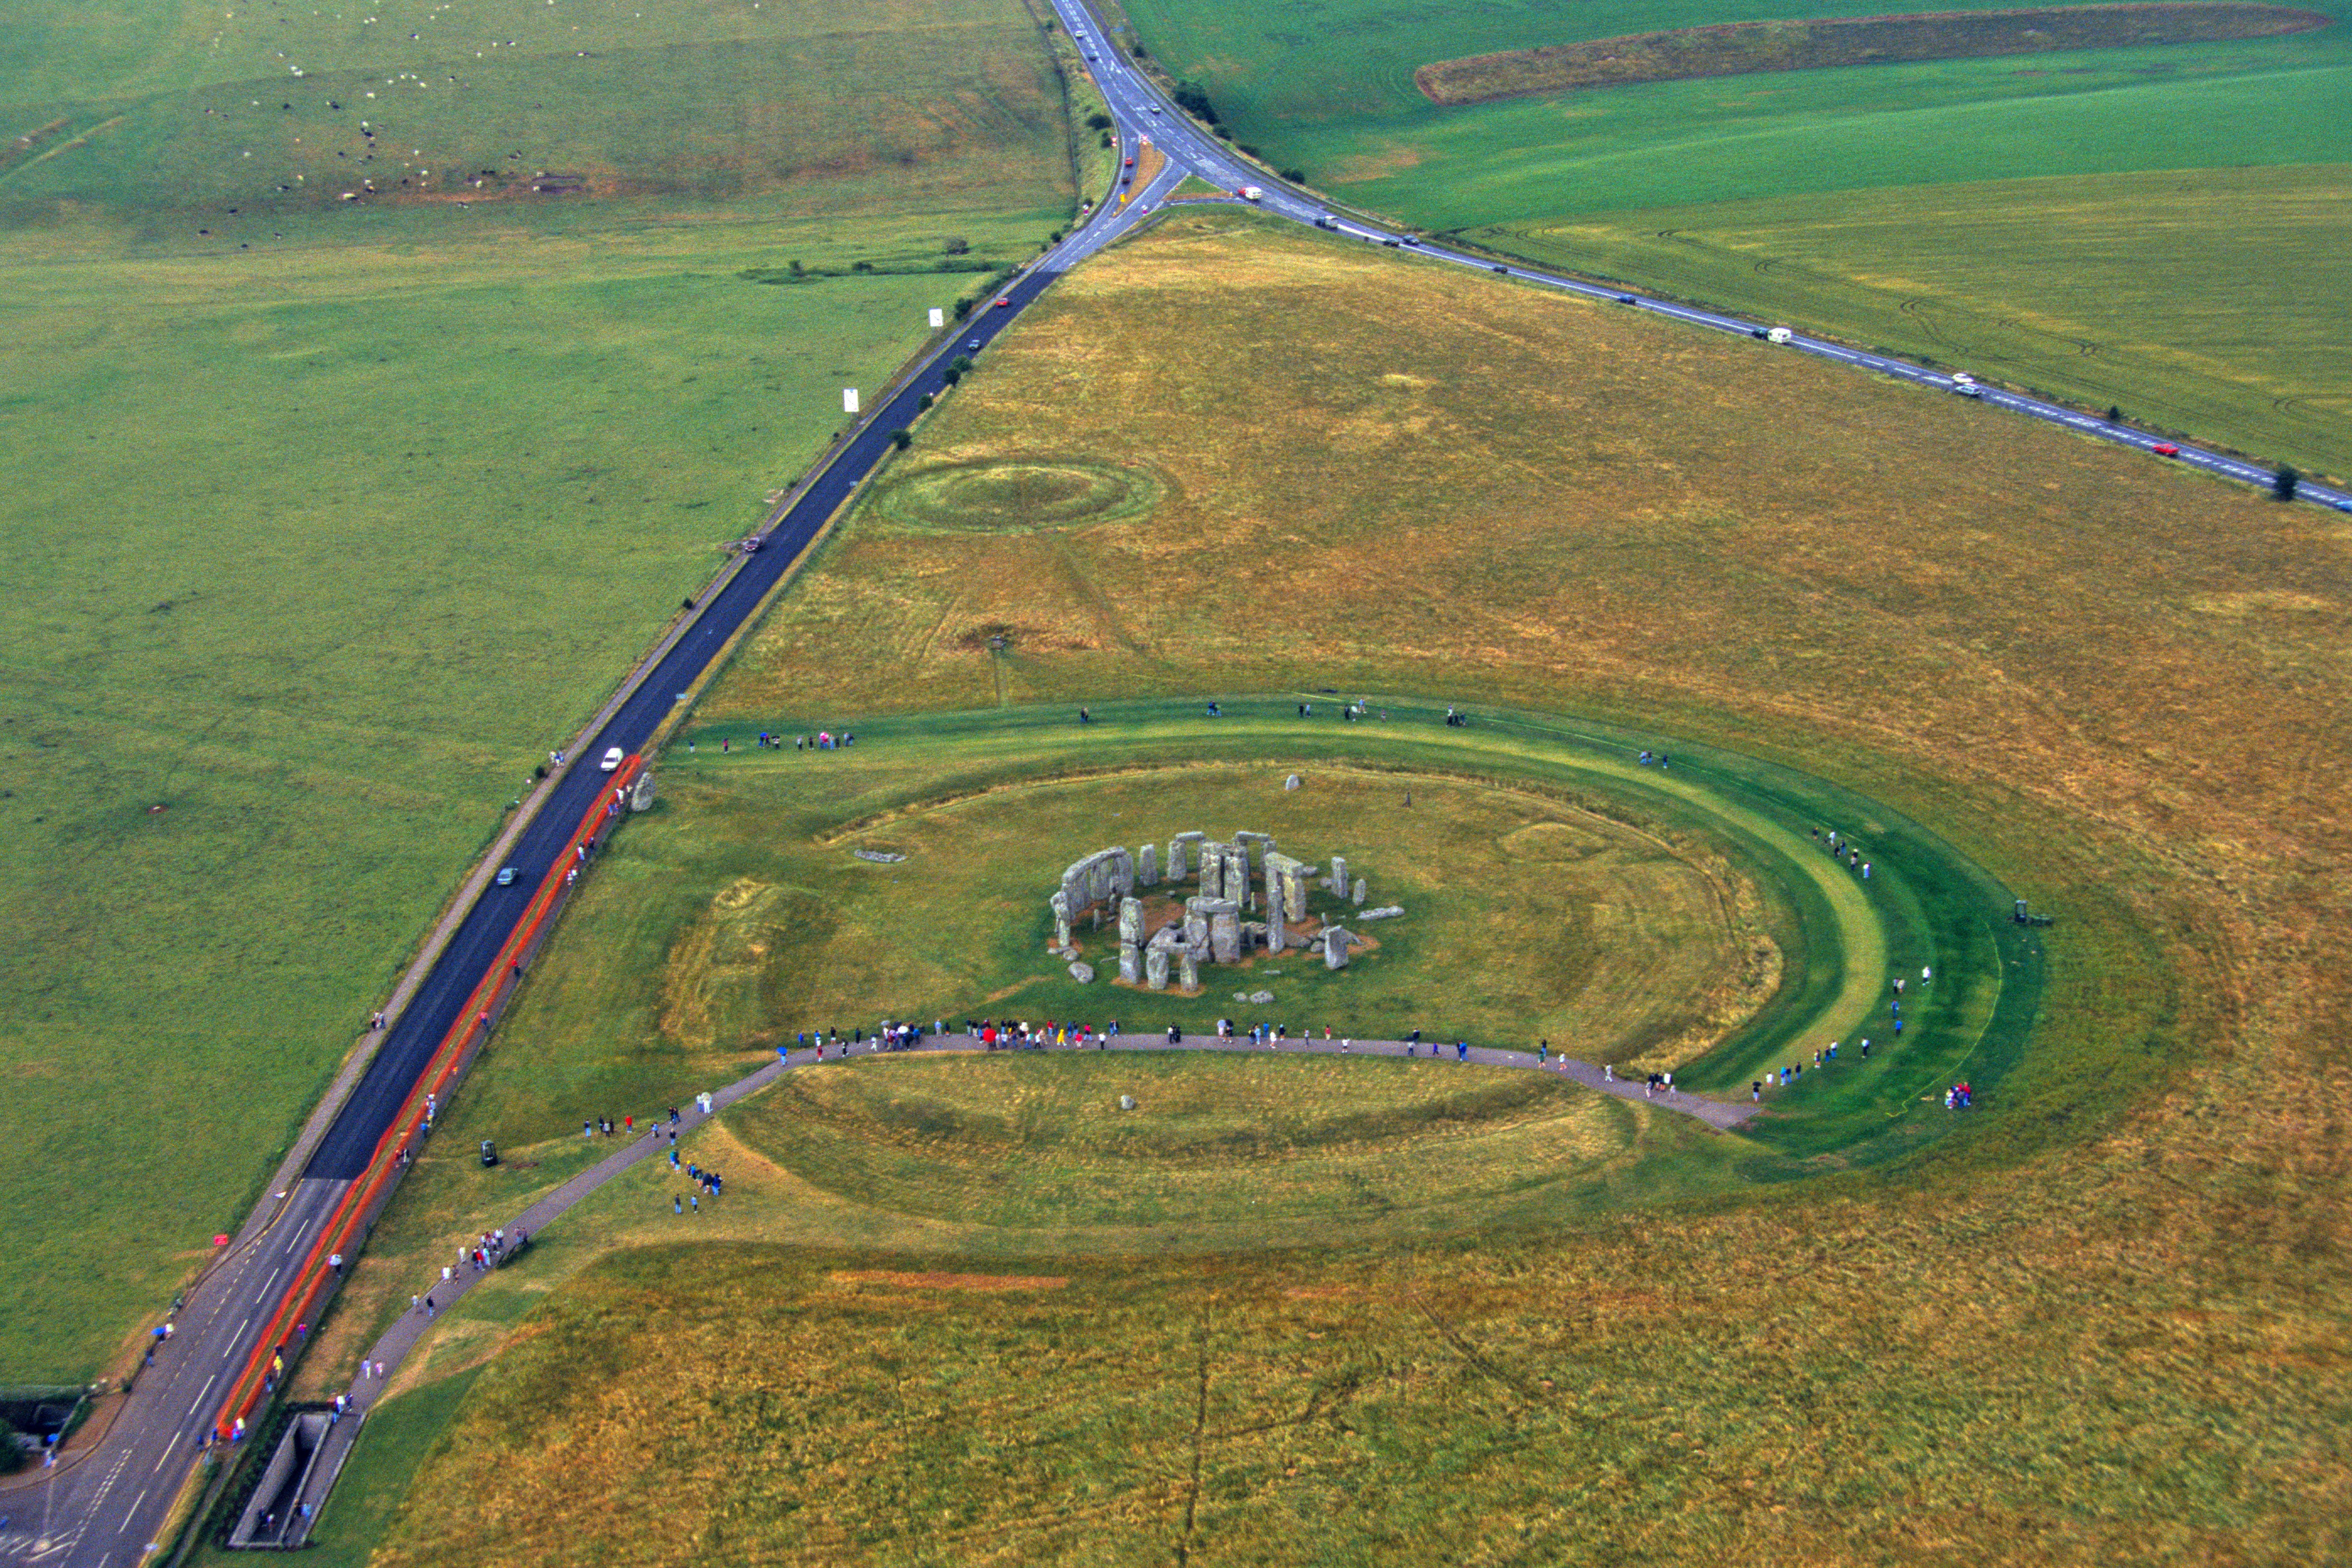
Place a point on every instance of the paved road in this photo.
(1134, 100)
(102, 1510)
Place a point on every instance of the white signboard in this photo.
(849, 400)
(938, 317)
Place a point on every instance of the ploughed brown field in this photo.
(1741, 49)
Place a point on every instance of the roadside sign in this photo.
(938, 317)
(849, 400)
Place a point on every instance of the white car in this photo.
(613, 757)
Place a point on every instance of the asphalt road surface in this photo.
(102, 1510)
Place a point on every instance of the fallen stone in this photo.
(1389, 913)
(1126, 1102)
(1260, 997)
(1084, 973)
(879, 857)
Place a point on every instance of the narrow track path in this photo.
(393, 1348)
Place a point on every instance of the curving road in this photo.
(102, 1509)
(1136, 102)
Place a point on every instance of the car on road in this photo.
(974, 345)
(1129, 164)
(1626, 300)
(2165, 449)
(1004, 301)
(612, 754)
(506, 875)
(1155, 109)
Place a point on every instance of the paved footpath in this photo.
(389, 1351)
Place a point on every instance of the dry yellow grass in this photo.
(2108, 1324)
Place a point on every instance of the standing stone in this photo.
(1294, 893)
(641, 794)
(1130, 920)
(1196, 923)
(1121, 867)
(1335, 947)
(1177, 865)
(1061, 906)
(1363, 887)
(1188, 969)
(1216, 859)
(1131, 963)
(1146, 866)
(1155, 966)
(1225, 931)
(1290, 783)
(1277, 905)
(1339, 875)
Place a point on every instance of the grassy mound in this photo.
(997, 497)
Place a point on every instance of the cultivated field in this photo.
(2007, 190)
(328, 518)
(2207, 302)
(2101, 1317)
(1745, 48)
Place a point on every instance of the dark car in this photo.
(974, 345)
(1627, 299)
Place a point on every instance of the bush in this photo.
(960, 363)
(1137, 50)
(924, 402)
(1296, 176)
(1106, 139)
(1193, 100)
(861, 267)
(1099, 121)
(2285, 483)
(958, 246)
(1248, 149)
(2114, 413)
(902, 439)
(952, 376)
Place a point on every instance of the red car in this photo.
(1004, 301)
(2165, 449)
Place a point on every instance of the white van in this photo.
(613, 757)
(1779, 335)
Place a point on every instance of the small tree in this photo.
(861, 267)
(1296, 176)
(958, 246)
(2114, 413)
(959, 365)
(952, 376)
(2285, 483)
(924, 402)
(1106, 139)
(1137, 50)
(1099, 121)
(902, 439)
(798, 270)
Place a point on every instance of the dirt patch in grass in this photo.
(1743, 48)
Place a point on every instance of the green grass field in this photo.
(320, 545)
(2152, 228)
(2206, 301)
